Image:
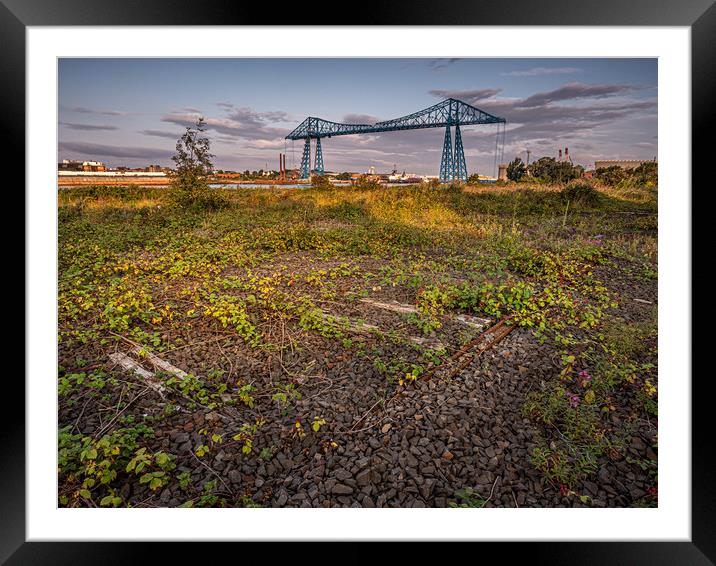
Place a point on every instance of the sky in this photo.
(131, 111)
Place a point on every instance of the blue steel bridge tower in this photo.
(459, 167)
(318, 163)
(446, 114)
(446, 161)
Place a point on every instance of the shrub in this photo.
(580, 192)
(321, 182)
(516, 170)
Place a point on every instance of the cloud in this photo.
(359, 119)
(574, 91)
(469, 96)
(278, 143)
(88, 149)
(84, 110)
(87, 127)
(536, 71)
(578, 115)
(540, 114)
(249, 116)
(161, 134)
(591, 119)
(443, 63)
(238, 122)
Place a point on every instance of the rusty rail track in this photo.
(455, 363)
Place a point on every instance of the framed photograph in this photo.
(428, 280)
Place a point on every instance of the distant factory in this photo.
(70, 167)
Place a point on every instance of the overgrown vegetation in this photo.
(645, 175)
(550, 171)
(277, 276)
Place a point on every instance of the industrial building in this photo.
(72, 165)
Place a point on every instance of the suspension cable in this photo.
(502, 154)
(497, 137)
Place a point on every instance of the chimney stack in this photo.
(560, 155)
(282, 167)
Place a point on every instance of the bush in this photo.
(549, 170)
(453, 188)
(198, 197)
(580, 192)
(516, 170)
(645, 175)
(363, 182)
(612, 175)
(320, 182)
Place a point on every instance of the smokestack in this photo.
(560, 155)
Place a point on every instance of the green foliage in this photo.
(366, 183)
(190, 186)
(645, 175)
(469, 498)
(516, 170)
(264, 277)
(285, 396)
(580, 192)
(549, 170)
(194, 389)
(612, 175)
(431, 304)
(317, 423)
(244, 393)
(321, 182)
(246, 435)
(209, 497)
(95, 468)
(230, 310)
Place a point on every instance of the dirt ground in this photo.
(292, 350)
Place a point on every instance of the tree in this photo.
(549, 170)
(516, 170)
(320, 182)
(473, 179)
(646, 174)
(612, 175)
(193, 166)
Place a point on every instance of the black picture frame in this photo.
(699, 15)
